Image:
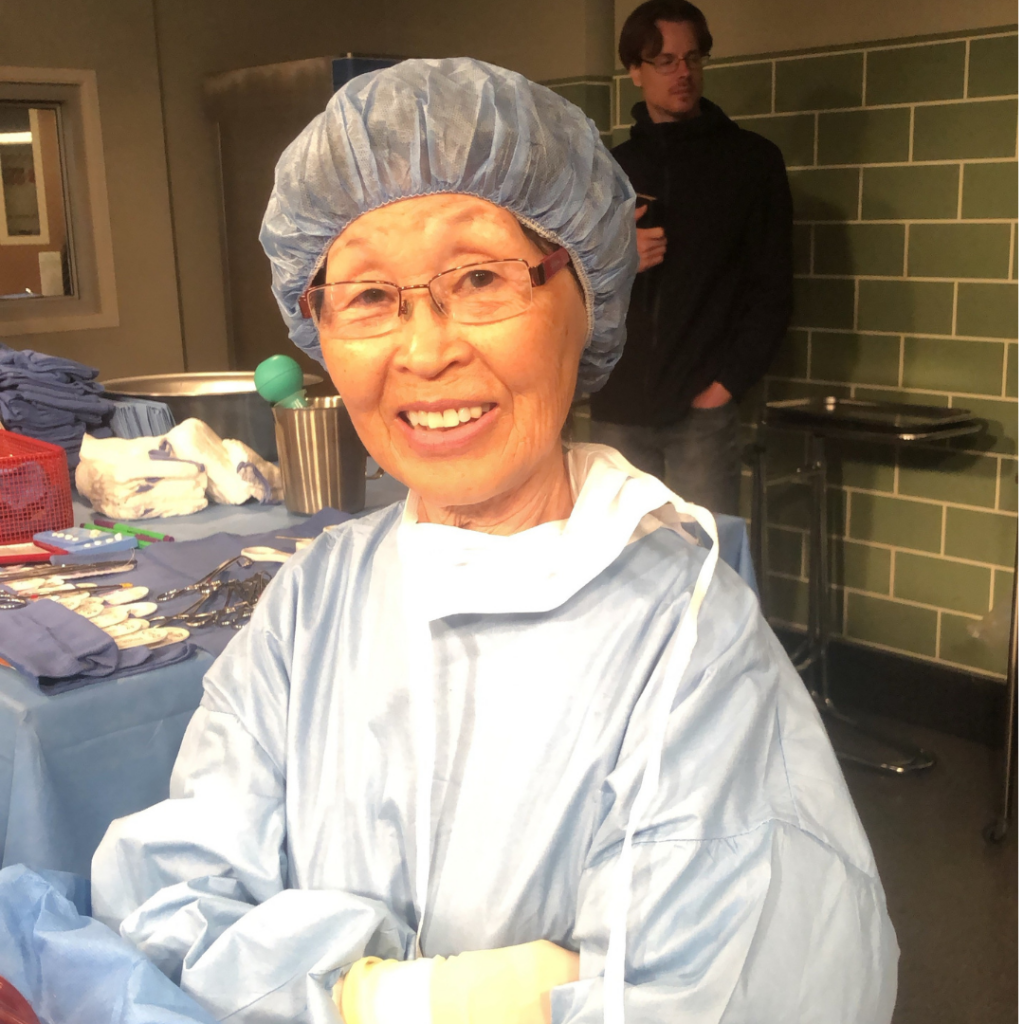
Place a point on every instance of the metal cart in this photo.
(827, 419)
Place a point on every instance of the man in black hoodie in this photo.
(713, 297)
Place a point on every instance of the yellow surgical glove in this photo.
(501, 986)
(492, 986)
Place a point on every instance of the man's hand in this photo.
(650, 243)
(711, 397)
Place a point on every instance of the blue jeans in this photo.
(698, 457)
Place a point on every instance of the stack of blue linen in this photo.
(52, 399)
(140, 417)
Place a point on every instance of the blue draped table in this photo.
(72, 762)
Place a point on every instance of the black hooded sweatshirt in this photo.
(718, 306)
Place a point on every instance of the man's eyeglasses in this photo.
(666, 63)
(479, 293)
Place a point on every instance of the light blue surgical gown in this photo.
(288, 847)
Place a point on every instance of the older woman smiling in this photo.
(518, 750)
(460, 385)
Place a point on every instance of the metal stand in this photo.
(811, 658)
(997, 830)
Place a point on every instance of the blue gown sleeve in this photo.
(199, 882)
(754, 892)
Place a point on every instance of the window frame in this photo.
(90, 247)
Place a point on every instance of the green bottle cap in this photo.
(278, 378)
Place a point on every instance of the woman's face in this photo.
(515, 378)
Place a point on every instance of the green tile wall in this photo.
(959, 250)
(947, 365)
(958, 131)
(911, 307)
(864, 136)
(823, 302)
(819, 83)
(786, 551)
(627, 94)
(993, 69)
(911, 193)
(944, 475)
(861, 566)
(863, 466)
(874, 250)
(802, 248)
(855, 358)
(958, 646)
(987, 310)
(828, 194)
(740, 90)
(894, 521)
(908, 73)
(990, 191)
(1008, 485)
(901, 626)
(793, 134)
(981, 536)
(922, 579)
(902, 163)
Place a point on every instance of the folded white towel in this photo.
(172, 475)
(133, 479)
(235, 473)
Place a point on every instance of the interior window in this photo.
(35, 256)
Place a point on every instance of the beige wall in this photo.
(162, 200)
(116, 39)
(540, 38)
(743, 27)
(151, 57)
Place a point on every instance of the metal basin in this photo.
(227, 402)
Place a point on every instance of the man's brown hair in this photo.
(641, 38)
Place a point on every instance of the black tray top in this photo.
(879, 417)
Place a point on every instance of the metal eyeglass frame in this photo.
(693, 63)
(539, 275)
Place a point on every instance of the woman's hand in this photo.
(491, 986)
(650, 243)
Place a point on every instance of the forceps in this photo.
(208, 583)
(236, 600)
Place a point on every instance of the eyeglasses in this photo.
(478, 293)
(666, 63)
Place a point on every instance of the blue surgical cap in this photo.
(457, 125)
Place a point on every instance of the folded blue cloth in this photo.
(168, 566)
(71, 968)
(140, 417)
(58, 649)
(52, 399)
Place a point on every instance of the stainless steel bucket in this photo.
(226, 402)
(323, 462)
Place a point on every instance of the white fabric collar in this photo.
(457, 571)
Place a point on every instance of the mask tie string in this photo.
(676, 662)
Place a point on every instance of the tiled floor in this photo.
(952, 896)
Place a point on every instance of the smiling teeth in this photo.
(448, 418)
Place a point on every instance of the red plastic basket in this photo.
(35, 488)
